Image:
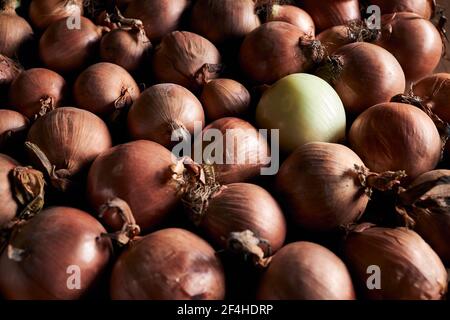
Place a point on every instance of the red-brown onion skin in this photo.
(334, 38)
(54, 240)
(319, 186)
(225, 98)
(180, 56)
(329, 13)
(226, 20)
(251, 144)
(415, 42)
(14, 32)
(32, 85)
(435, 91)
(370, 75)
(138, 173)
(273, 51)
(11, 122)
(44, 13)
(293, 15)
(71, 138)
(99, 88)
(9, 70)
(240, 207)
(423, 8)
(65, 50)
(410, 269)
(163, 109)
(396, 136)
(306, 271)
(159, 17)
(170, 264)
(9, 206)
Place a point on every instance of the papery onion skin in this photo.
(424, 8)
(105, 87)
(319, 186)
(304, 108)
(138, 173)
(53, 241)
(368, 75)
(249, 145)
(15, 32)
(11, 122)
(37, 91)
(415, 42)
(396, 136)
(292, 15)
(163, 112)
(306, 271)
(68, 50)
(435, 92)
(334, 38)
(44, 13)
(410, 269)
(223, 98)
(9, 70)
(171, 264)
(226, 20)
(71, 138)
(9, 206)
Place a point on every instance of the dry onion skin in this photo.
(9, 206)
(12, 123)
(9, 70)
(424, 8)
(396, 136)
(293, 15)
(306, 271)
(43, 13)
(335, 37)
(170, 264)
(410, 269)
(434, 90)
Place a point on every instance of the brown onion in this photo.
(37, 91)
(414, 41)
(225, 98)
(9, 206)
(226, 20)
(408, 268)
(277, 49)
(306, 271)
(67, 50)
(159, 17)
(12, 123)
(105, 87)
(435, 93)
(44, 256)
(363, 75)
(66, 141)
(138, 173)
(171, 264)
(292, 15)
(396, 136)
(43, 13)
(186, 59)
(9, 70)
(165, 113)
(424, 8)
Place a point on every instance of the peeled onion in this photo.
(43, 13)
(434, 90)
(292, 15)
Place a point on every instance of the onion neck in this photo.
(384, 182)
(246, 243)
(312, 49)
(331, 69)
(9, 6)
(207, 72)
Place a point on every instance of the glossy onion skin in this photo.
(319, 186)
(243, 206)
(435, 92)
(306, 271)
(293, 15)
(138, 173)
(170, 264)
(334, 38)
(71, 138)
(99, 88)
(396, 136)
(410, 269)
(160, 110)
(54, 240)
(15, 32)
(423, 8)
(9, 206)
(10, 122)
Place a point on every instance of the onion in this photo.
(414, 41)
(329, 13)
(67, 50)
(9, 70)
(43, 13)
(306, 271)
(171, 264)
(37, 91)
(43, 253)
(105, 87)
(12, 124)
(15, 31)
(186, 59)
(138, 173)
(292, 15)
(396, 136)
(241, 151)
(410, 269)
(277, 49)
(304, 108)
(226, 20)
(225, 98)
(424, 8)
(363, 75)
(66, 141)
(159, 17)
(165, 113)
(435, 92)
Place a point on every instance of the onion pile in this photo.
(424, 8)
(12, 123)
(292, 15)
(434, 91)
(43, 12)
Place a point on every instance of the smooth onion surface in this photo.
(43, 13)
(9, 206)
(424, 8)
(335, 37)
(11, 122)
(293, 15)
(15, 33)
(435, 92)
